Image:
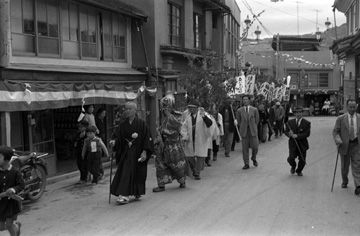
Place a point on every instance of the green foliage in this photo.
(204, 83)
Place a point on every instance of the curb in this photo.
(62, 177)
(58, 178)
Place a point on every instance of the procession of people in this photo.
(188, 141)
(185, 143)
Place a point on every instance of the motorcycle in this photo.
(33, 168)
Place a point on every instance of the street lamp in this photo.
(247, 21)
(318, 34)
(257, 32)
(327, 23)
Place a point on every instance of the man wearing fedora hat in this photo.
(298, 130)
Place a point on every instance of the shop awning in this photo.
(20, 96)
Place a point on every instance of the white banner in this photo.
(250, 84)
(240, 84)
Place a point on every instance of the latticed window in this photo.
(323, 79)
(174, 24)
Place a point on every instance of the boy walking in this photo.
(92, 151)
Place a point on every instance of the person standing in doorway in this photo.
(89, 116)
(248, 120)
(298, 130)
(346, 136)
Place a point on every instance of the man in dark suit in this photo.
(298, 130)
(247, 117)
(229, 127)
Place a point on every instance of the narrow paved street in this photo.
(265, 200)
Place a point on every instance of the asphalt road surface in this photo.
(264, 200)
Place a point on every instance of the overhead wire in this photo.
(287, 13)
(247, 5)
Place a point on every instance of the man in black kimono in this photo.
(298, 130)
(133, 147)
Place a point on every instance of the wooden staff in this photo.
(111, 161)
(236, 127)
(337, 158)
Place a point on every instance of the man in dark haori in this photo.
(298, 130)
(170, 160)
(248, 120)
(346, 135)
(133, 146)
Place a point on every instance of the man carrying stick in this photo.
(298, 130)
(346, 136)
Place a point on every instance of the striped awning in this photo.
(27, 96)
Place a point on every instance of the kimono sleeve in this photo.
(148, 141)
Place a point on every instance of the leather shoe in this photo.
(227, 155)
(246, 167)
(343, 185)
(196, 177)
(357, 190)
(208, 163)
(299, 173)
(255, 163)
(158, 189)
(292, 170)
(182, 185)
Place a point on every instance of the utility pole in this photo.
(277, 57)
(297, 11)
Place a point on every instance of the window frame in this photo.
(69, 3)
(196, 30)
(100, 49)
(179, 37)
(37, 36)
(321, 75)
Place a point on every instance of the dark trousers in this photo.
(302, 160)
(353, 150)
(94, 167)
(208, 157)
(271, 130)
(278, 127)
(83, 167)
(215, 149)
(196, 164)
(249, 142)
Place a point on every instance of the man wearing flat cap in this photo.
(298, 130)
(196, 134)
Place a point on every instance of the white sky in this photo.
(281, 17)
